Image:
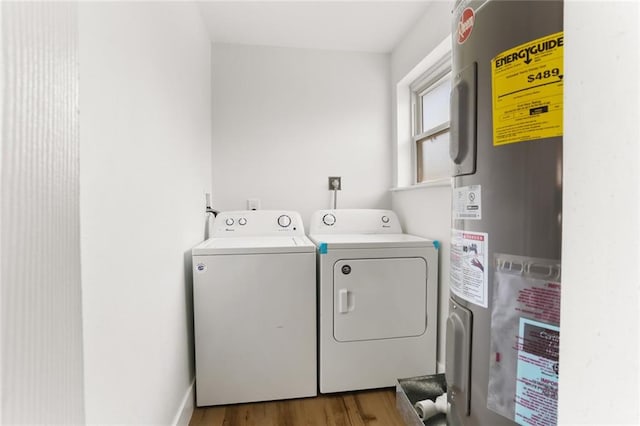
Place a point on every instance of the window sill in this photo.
(430, 184)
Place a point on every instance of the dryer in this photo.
(377, 297)
(254, 294)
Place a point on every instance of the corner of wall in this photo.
(146, 149)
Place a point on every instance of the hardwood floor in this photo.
(365, 408)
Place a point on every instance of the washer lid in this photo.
(359, 241)
(254, 245)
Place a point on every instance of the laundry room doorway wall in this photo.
(41, 373)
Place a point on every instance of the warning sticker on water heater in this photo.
(468, 268)
(527, 87)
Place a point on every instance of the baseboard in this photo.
(185, 411)
(440, 367)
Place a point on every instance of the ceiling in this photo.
(363, 26)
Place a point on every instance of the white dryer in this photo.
(254, 293)
(378, 290)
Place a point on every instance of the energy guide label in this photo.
(527, 89)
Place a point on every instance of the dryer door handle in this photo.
(343, 301)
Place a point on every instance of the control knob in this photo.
(284, 221)
(385, 219)
(242, 221)
(229, 221)
(329, 219)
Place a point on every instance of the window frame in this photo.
(418, 143)
(428, 81)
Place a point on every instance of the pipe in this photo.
(335, 184)
(208, 208)
(427, 408)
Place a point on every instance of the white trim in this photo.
(440, 368)
(2, 96)
(429, 184)
(185, 411)
(440, 128)
(436, 55)
(433, 76)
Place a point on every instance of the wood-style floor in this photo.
(365, 408)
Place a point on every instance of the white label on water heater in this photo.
(469, 263)
(467, 202)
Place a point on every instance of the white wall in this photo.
(424, 211)
(427, 212)
(41, 322)
(145, 121)
(285, 119)
(428, 31)
(600, 290)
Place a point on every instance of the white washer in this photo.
(254, 292)
(377, 300)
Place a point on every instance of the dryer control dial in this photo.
(329, 219)
(385, 219)
(229, 222)
(284, 221)
(242, 221)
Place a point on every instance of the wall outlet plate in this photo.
(331, 181)
(253, 204)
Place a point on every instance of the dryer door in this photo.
(379, 298)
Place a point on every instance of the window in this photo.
(430, 119)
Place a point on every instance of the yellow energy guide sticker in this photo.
(527, 91)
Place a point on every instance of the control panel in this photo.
(246, 223)
(355, 221)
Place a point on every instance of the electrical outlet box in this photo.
(253, 204)
(333, 185)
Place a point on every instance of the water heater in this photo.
(503, 328)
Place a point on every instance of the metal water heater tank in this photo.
(503, 331)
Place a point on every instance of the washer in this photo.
(254, 293)
(377, 300)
